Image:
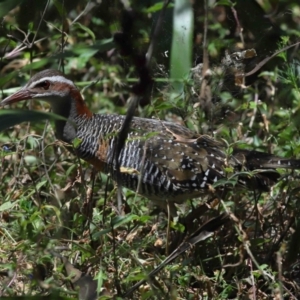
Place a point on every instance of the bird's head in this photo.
(48, 85)
(53, 87)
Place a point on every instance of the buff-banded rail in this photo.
(167, 162)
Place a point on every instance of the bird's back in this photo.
(163, 159)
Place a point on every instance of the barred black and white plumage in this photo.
(171, 162)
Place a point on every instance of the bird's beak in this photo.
(22, 94)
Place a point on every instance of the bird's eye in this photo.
(44, 85)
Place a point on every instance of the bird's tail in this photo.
(261, 160)
(264, 164)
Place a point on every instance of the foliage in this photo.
(53, 205)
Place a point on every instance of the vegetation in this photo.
(58, 216)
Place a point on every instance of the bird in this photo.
(163, 161)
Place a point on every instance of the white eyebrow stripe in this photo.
(53, 79)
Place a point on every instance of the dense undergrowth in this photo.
(56, 211)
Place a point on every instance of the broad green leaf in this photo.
(121, 220)
(10, 118)
(7, 205)
(7, 6)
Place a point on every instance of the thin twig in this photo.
(156, 33)
(41, 20)
(264, 61)
(239, 27)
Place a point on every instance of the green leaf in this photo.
(100, 280)
(76, 142)
(156, 7)
(7, 6)
(31, 160)
(85, 29)
(121, 220)
(87, 50)
(178, 226)
(7, 205)
(59, 7)
(10, 118)
(40, 184)
(225, 2)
